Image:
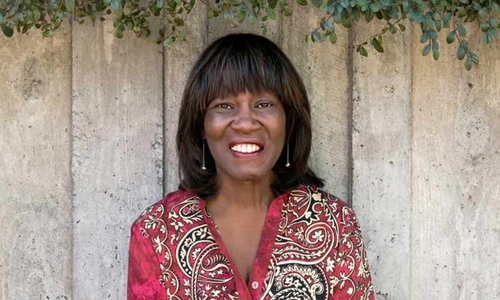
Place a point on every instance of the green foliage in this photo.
(433, 17)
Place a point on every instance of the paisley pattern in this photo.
(318, 252)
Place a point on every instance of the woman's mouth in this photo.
(246, 148)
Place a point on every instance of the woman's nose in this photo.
(245, 120)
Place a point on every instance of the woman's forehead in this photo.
(256, 93)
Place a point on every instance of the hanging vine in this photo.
(433, 17)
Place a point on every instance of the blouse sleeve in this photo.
(352, 276)
(143, 269)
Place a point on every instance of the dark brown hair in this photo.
(231, 65)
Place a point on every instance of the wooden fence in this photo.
(87, 127)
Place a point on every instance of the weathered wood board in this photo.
(117, 151)
(35, 182)
(87, 141)
(455, 251)
(381, 151)
(327, 84)
(179, 58)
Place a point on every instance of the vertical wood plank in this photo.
(324, 70)
(381, 152)
(179, 58)
(35, 181)
(117, 151)
(456, 175)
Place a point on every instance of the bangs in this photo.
(239, 69)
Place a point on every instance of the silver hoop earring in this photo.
(203, 158)
(287, 156)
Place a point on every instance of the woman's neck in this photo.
(242, 196)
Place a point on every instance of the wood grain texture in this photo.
(179, 58)
(381, 153)
(456, 175)
(117, 151)
(324, 70)
(35, 182)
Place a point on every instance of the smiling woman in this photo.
(249, 220)
(245, 134)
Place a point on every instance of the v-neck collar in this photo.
(252, 289)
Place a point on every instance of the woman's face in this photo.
(245, 134)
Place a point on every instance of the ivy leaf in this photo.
(483, 11)
(375, 7)
(315, 36)
(377, 44)
(48, 33)
(119, 33)
(127, 9)
(402, 28)
(450, 38)
(495, 8)
(435, 50)
(494, 22)
(242, 14)
(327, 25)
(462, 32)
(363, 51)
(494, 34)
(424, 37)
(468, 64)
(364, 5)
(179, 22)
(116, 5)
(168, 41)
(26, 28)
(386, 2)
(332, 37)
(473, 57)
(460, 53)
(438, 24)
(426, 50)
(302, 2)
(7, 30)
(485, 26)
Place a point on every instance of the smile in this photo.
(245, 148)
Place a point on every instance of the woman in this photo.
(248, 221)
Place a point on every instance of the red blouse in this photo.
(310, 248)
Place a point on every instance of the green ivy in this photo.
(434, 17)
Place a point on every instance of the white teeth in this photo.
(245, 148)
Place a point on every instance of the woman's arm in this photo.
(352, 276)
(143, 269)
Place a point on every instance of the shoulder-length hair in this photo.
(231, 65)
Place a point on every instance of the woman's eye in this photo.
(224, 106)
(264, 105)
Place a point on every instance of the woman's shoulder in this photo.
(169, 202)
(317, 194)
(324, 201)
